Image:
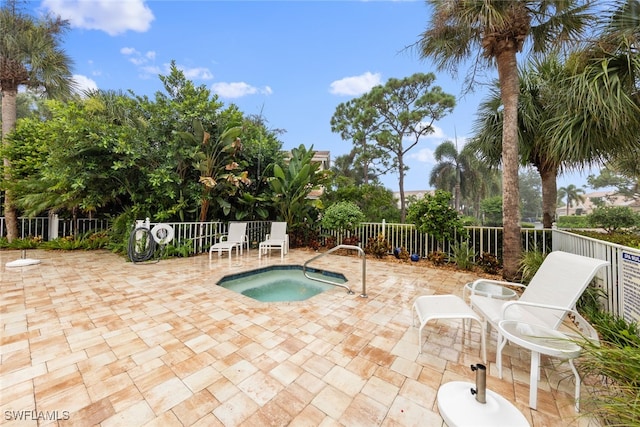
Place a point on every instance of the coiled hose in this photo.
(141, 246)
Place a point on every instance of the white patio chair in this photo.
(546, 300)
(277, 238)
(236, 238)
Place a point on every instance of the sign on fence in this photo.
(630, 275)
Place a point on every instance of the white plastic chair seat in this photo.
(236, 238)
(276, 239)
(433, 307)
(225, 246)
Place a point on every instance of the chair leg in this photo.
(533, 379)
(577, 392)
(501, 343)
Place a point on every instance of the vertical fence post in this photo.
(384, 228)
(53, 226)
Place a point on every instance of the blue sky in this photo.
(291, 61)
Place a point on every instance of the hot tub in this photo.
(280, 283)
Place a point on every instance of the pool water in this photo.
(280, 283)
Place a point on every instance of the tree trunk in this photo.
(403, 208)
(365, 164)
(509, 90)
(9, 96)
(549, 196)
(457, 190)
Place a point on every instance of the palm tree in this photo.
(572, 194)
(497, 30)
(30, 55)
(453, 172)
(540, 83)
(600, 110)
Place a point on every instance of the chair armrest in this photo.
(510, 304)
(580, 330)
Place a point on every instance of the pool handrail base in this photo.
(342, 285)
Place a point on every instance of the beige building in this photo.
(610, 198)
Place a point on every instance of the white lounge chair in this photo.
(235, 238)
(546, 300)
(277, 238)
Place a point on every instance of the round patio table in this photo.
(540, 340)
(491, 290)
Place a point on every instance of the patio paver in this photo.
(88, 338)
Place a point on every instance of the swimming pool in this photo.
(280, 283)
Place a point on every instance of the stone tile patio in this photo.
(91, 339)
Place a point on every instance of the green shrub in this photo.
(26, 243)
(624, 238)
(614, 366)
(530, 263)
(572, 221)
(463, 255)
(403, 254)
(182, 250)
(469, 221)
(491, 209)
(437, 257)
(435, 216)
(378, 246)
(489, 263)
(342, 216)
(613, 218)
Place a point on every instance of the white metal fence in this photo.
(52, 227)
(481, 239)
(200, 236)
(612, 280)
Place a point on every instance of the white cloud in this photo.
(238, 89)
(355, 85)
(84, 83)
(136, 57)
(437, 133)
(424, 155)
(196, 73)
(129, 51)
(112, 17)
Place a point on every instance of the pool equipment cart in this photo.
(364, 269)
(144, 240)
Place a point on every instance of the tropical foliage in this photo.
(433, 214)
(30, 56)
(342, 216)
(180, 156)
(571, 194)
(614, 218)
(496, 31)
(401, 110)
(376, 202)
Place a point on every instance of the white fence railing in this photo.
(614, 280)
(52, 227)
(481, 239)
(200, 236)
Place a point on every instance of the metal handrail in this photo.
(364, 269)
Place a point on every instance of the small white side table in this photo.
(540, 340)
(459, 408)
(491, 290)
